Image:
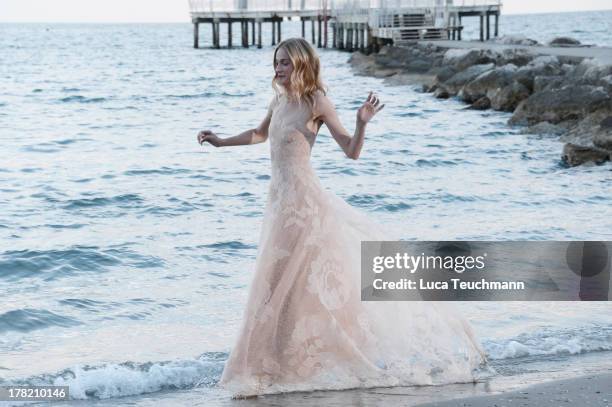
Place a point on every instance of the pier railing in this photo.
(210, 6)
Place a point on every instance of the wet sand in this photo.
(586, 391)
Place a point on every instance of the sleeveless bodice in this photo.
(292, 134)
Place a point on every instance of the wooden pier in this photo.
(363, 25)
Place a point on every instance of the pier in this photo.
(363, 25)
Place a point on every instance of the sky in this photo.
(178, 10)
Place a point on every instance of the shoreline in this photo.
(588, 391)
(566, 95)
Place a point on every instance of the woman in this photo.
(305, 327)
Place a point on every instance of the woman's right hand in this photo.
(207, 135)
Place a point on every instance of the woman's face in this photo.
(283, 67)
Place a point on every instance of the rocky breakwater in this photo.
(569, 97)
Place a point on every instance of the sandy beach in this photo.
(586, 391)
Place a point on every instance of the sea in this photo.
(127, 249)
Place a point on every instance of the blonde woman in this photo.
(305, 327)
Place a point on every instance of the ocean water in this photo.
(126, 249)
(588, 27)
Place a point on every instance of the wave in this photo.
(119, 200)
(234, 244)
(551, 342)
(26, 320)
(82, 99)
(131, 379)
(53, 264)
(158, 171)
(439, 163)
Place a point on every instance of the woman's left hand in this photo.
(370, 107)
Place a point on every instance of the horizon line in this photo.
(187, 21)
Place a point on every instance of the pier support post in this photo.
(273, 32)
(259, 34)
(356, 38)
(303, 27)
(334, 35)
(349, 38)
(496, 24)
(312, 30)
(481, 27)
(229, 34)
(324, 31)
(340, 30)
(319, 31)
(362, 37)
(488, 27)
(246, 34)
(215, 29)
(459, 29)
(370, 46)
(253, 32)
(196, 35)
(243, 31)
(280, 21)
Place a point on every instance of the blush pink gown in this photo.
(305, 327)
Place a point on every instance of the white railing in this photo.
(204, 6)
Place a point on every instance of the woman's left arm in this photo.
(350, 145)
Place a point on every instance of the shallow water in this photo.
(126, 249)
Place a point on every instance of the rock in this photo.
(606, 123)
(540, 66)
(418, 66)
(518, 57)
(508, 98)
(481, 104)
(385, 49)
(462, 59)
(487, 82)
(563, 42)
(439, 75)
(575, 155)
(363, 64)
(603, 141)
(515, 40)
(555, 105)
(591, 72)
(457, 81)
(584, 132)
(541, 83)
(545, 128)
(441, 93)
(389, 62)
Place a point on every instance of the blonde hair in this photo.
(306, 76)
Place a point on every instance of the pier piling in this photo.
(259, 34)
(229, 34)
(319, 31)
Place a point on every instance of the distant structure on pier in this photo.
(363, 25)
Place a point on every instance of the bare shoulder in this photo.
(322, 103)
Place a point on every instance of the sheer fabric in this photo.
(305, 327)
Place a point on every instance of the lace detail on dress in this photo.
(305, 327)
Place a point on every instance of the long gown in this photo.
(305, 327)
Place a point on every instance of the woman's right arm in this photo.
(251, 136)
